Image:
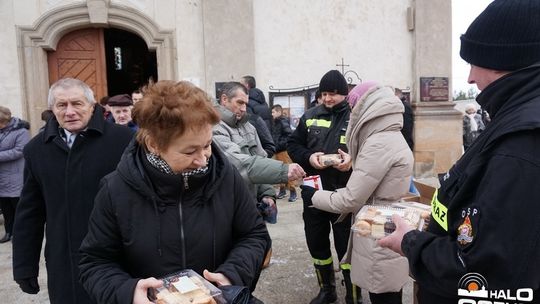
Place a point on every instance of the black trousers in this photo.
(317, 225)
(8, 205)
(386, 298)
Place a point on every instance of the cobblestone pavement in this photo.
(290, 278)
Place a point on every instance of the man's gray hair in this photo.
(67, 83)
(230, 88)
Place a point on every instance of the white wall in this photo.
(285, 43)
(296, 42)
(9, 66)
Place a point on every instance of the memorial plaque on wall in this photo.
(434, 89)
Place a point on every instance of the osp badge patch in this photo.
(465, 232)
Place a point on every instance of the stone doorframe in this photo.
(34, 42)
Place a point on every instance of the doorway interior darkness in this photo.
(130, 65)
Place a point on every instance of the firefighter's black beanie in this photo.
(334, 82)
(504, 37)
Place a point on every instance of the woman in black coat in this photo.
(173, 203)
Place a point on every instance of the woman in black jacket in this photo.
(173, 203)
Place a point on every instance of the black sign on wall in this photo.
(219, 85)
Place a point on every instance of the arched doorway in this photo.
(80, 54)
(110, 61)
(130, 64)
(38, 40)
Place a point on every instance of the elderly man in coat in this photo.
(63, 166)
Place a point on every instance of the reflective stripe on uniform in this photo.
(354, 295)
(318, 123)
(439, 212)
(342, 139)
(323, 262)
(345, 266)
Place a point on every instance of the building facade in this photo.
(284, 44)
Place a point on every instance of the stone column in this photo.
(438, 126)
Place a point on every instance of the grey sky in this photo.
(463, 13)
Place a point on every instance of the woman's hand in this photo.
(215, 277)
(393, 241)
(346, 163)
(141, 290)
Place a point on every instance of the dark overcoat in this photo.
(57, 198)
(485, 216)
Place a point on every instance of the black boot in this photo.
(327, 283)
(354, 293)
(6, 238)
(254, 300)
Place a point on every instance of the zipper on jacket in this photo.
(182, 238)
(329, 144)
(186, 184)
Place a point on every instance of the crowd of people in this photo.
(142, 185)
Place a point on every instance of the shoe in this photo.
(6, 238)
(281, 193)
(292, 197)
(254, 300)
(353, 293)
(327, 292)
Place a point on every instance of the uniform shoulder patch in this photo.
(465, 232)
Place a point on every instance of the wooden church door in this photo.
(81, 54)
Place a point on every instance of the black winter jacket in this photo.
(150, 224)
(321, 129)
(489, 202)
(281, 130)
(257, 105)
(57, 198)
(265, 136)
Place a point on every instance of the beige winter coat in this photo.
(382, 166)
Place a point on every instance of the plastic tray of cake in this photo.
(186, 287)
(375, 221)
(330, 159)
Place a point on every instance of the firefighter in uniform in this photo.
(321, 130)
(484, 232)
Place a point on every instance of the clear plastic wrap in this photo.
(330, 159)
(186, 287)
(375, 221)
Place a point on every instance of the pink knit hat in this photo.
(358, 91)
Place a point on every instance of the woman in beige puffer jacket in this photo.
(382, 166)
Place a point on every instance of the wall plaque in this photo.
(434, 89)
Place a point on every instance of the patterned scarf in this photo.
(162, 166)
